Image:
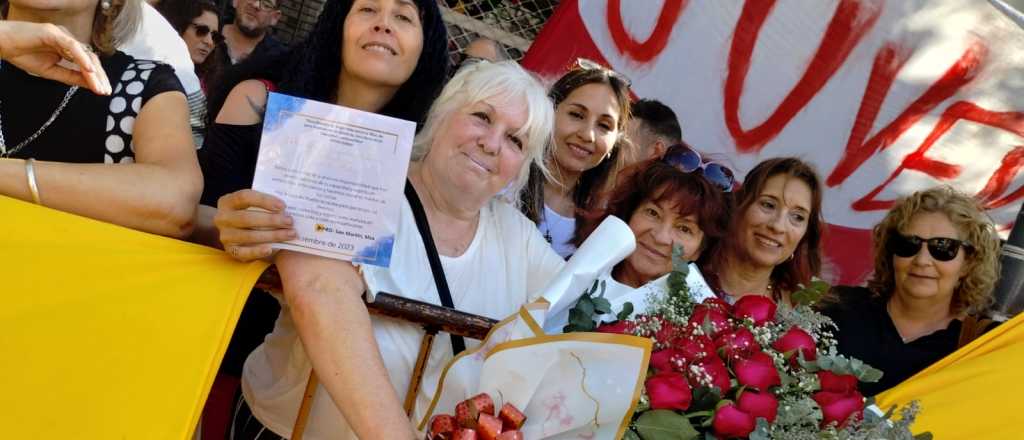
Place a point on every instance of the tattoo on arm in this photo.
(260, 110)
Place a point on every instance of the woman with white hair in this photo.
(490, 123)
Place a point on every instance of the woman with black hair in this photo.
(198, 23)
(383, 56)
(592, 108)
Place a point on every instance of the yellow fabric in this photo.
(108, 333)
(974, 393)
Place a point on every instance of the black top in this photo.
(91, 128)
(269, 46)
(866, 332)
(228, 159)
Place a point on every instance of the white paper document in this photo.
(340, 171)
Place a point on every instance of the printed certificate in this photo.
(340, 171)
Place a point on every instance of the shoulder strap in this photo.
(458, 344)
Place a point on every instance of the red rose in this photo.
(718, 318)
(760, 309)
(668, 359)
(715, 368)
(668, 390)
(731, 422)
(837, 383)
(621, 326)
(838, 407)
(763, 405)
(717, 303)
(735, 343)
(797, 339)
(696, 347)
(757, 371)
(668, 334)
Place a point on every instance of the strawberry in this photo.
(482, 403)
(511, 435)
(488, 426)
(465, 434)
(465, 415)
(511, 417)
(442, 426)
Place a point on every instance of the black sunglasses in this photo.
(940, 248)
(688, 160)
(202, 30)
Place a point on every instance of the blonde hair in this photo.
(115, 25)
(974, 292)
(484, 80)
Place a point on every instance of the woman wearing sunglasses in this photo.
(591, 112)
(936, 262)
(197, 21)
(774, 233)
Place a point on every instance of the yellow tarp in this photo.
(108, 333)
(975, 393)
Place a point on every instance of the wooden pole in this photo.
(432, 317)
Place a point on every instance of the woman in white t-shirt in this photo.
(490, 123)
(591, 111)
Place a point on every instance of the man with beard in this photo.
(250, 33)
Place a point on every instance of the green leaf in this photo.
(630, 435)
(626, 312)
(678, 263)
(923, 436)
(602, 306)
(586, 307)
(662, 424)
(704, 398)
(761, 432)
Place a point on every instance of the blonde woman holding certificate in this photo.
(490, 123)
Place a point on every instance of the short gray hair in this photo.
(484, 80)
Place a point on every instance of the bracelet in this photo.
(30, 174)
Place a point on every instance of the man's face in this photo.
(254, 17)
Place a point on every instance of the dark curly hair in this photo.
(311, 69)
(806, 261)
(657, 181)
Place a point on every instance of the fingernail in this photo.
(288, 221)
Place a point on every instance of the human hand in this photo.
(39, 48)
(247, 234)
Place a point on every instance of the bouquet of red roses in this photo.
(753, 369)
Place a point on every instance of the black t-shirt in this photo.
(91, 128)
(866, 332)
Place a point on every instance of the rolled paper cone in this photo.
(609, 244)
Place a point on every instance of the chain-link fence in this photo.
(512, 23)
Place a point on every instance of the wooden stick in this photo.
(307, 404)
(431, 316)
(417, 371)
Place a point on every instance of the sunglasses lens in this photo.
(683, 158)
(719, 175)
(943, 249)
(903, 246)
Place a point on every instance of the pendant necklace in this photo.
(4, 152)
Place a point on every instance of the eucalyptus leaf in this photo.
(586, 307)
(602, 306)
(761, 431)
(661, 424)
(626, 312)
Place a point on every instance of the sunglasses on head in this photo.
(940, 248)
(585, 64)
(202, 30)
(688, 160)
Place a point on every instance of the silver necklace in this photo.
(4, 152)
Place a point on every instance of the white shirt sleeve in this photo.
(157, 40)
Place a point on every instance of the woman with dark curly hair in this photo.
(591, 112)
(936, 262)
(774, 232)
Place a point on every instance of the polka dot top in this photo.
(91, 128)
